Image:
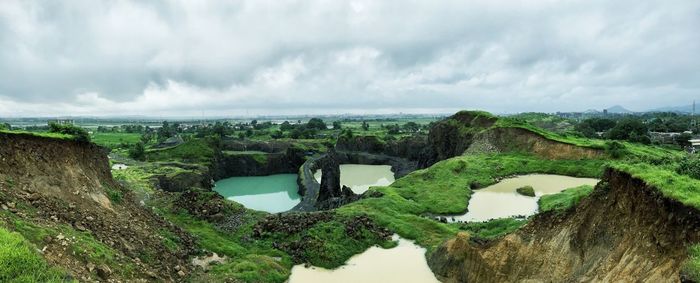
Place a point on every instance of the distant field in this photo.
(113, 140)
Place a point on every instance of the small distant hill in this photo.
(617, 109)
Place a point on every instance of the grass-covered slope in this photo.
(20, 262)
(565, 199)
(194, 151)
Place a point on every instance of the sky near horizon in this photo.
(213, 58)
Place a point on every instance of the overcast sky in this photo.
(179, 58)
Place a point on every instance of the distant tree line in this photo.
(638, 128)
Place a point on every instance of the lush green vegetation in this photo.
(492, 229)
(247, 260)
(115, 139)
(39, 134)
(548, 122)
(564, 200)
(19, 261)
(691, 268)
(78, 133)
(193, 151)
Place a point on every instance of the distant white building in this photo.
(694, 145)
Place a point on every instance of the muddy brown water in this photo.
(501, 200)
(360, 177)
(404, 263)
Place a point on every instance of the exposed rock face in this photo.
(334, 195)
(331, 194)
(182, 181)
(472, 132)
(452, 136)
(330, 179)
(273, 158)
(626, 231)
(408, 148)
(517, 139)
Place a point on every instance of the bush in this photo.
(689, 166)
(316, 123)
(615, 149)
(138, 151)
(78, 133)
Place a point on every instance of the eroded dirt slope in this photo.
(60, 195)
(624, 232)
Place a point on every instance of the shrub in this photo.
(78, 133)
(615, 149)
(138, 151)
(689, 166)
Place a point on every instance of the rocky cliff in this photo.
(257, 159)
(626, 231)
(409, 148)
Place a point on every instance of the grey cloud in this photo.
(129, 57)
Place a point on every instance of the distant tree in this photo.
(146, 137)
(286, 126)
(601, 124)
(683, 139)
(394, 129)
(411, 127)
(347, 134)
(365, 126)
(337, 125)
(630, 129)
(219, 129)
(316, 123)
(254, 122)
(5, 126)
(249, 133)
(277, 135)
(585, 130)
(78, 133)
(165, 131)
(138, 151)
